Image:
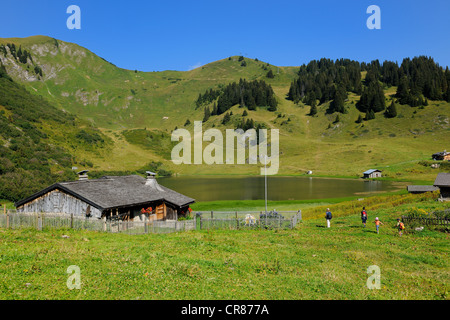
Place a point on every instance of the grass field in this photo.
(309, 262)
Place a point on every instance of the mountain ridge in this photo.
(120, 102)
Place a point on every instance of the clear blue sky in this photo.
(178, 35)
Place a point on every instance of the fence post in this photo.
(39, 222)
(71, 221)
(237, 221)
(145, 224)
(7, 219)
(265, 215)
(260, 214)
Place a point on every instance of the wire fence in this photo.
(435, 218)
(427, 221)
(247, 219)
(200, 221)
(42, 221)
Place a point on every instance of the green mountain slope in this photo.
(80, 82)
(121, 103)
(38, 142)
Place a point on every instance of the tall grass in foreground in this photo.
(307, 262)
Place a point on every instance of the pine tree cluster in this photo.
(250, 94)
(417, 80)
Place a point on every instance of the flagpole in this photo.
(265, 181)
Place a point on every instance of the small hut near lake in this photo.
(129, 197)
(372, 173)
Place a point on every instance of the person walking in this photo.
(377, 224)
(400, 226)
(328, 216)
(364, 216)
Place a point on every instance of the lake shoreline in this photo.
(390, 179)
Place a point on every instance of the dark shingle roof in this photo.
(117, 191)
(442, 180)
(371, 171)
(422, 188)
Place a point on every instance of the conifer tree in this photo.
(226, 118)
(207, 114)
(391, 111)
(313, 110)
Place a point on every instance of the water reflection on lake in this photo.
(212, 188)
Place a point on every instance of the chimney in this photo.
(82, 175)
(151, 181)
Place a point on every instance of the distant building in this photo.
(372, 173)
(130, 197)
(421, 189)
(441, 156)
(443, 183)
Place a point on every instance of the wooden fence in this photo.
(217, 220)
(426, 221)
(39, 221)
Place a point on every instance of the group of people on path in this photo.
(400, 225)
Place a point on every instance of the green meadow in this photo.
(308, 262)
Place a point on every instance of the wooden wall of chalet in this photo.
(57, 201)
(161, 211)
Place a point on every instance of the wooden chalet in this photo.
(443, 183)
(130, 197)
(372, 173)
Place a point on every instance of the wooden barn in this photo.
(129, 197)
(441, 156)
(443, 183)
(372, 173)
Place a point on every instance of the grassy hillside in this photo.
(39, 143)
(121, 102)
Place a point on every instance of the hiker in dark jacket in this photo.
(328, 216)
(364, 216)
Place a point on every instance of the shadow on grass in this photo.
(369, 231)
